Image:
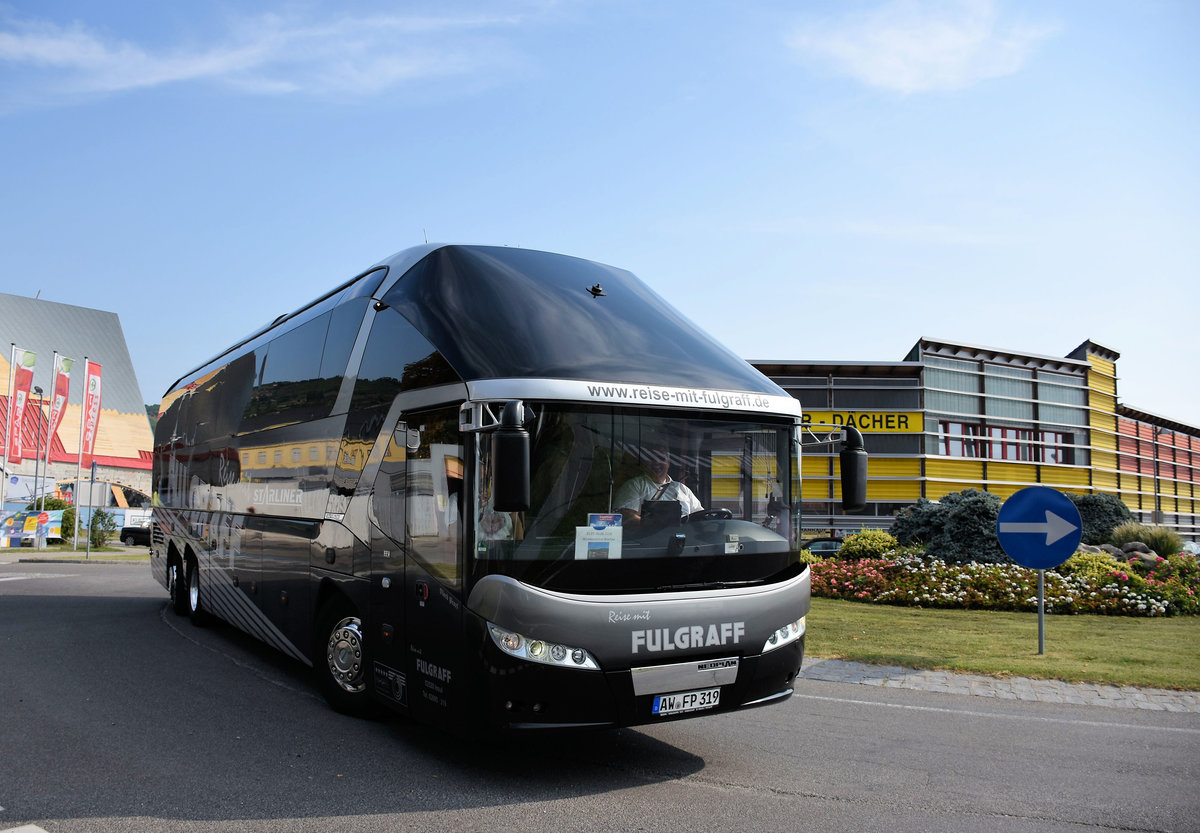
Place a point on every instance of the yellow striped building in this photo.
(954, 416)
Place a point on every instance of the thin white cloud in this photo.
(939, 234)
(267, 55)
(902, 231)
(913, 46)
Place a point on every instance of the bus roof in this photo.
(504, 313)
(495, 312)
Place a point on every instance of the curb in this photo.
(1007, 688)
(82, 560)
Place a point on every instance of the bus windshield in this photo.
(625, 501)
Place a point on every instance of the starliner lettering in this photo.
(688, 636)
(278, 497)
(428, 669)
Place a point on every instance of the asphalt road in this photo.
(115, 715)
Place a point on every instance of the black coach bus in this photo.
(494, 488)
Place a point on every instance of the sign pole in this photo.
(1041, 612)
(1039, 528)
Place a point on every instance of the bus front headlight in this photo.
(539, 650)
(786, 635)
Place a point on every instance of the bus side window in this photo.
(290, 389)
(387, 498)
(434, 495)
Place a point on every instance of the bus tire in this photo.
(193, 603)
(176, 586)
(341, 659)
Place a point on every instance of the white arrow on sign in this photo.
(1054, 528)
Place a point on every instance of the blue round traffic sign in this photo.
(1039, 527)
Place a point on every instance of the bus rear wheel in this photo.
(191, 592)
(176, 586)
(341, 659)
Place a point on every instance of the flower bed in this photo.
(1171, 587)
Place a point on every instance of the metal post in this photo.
(37, 462)
(1041, 612)
(79, 464)
(8, 412)
(91, 488)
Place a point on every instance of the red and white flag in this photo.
(91, 412)
(61, 388)
(22, 378)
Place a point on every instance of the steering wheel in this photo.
(709, 515)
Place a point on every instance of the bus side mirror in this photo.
(853, 458)
(510, 460)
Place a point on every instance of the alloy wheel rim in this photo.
(344, 655)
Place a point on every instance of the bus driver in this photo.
(654, 484)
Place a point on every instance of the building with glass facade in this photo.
(956, 416)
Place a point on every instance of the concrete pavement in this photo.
(885, 676)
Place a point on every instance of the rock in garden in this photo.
(1146, 559)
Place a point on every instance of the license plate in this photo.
(686, 701)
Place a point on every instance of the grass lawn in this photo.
(139, 555)
(1120, 650)
(109, 552)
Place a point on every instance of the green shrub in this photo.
(1101, 514)
(101, 528)
(1158, 538)
(863, 579)
(1170, 588)
(870, 543)
(916, 524)
(959, 529)
(1177, 578)
(1093, 567)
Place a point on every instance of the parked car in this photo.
(822, 546)
(133, 536)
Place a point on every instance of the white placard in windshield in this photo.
(600, 539)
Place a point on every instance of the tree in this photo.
(958, 529)
(1101, 514)
(101, 528)
(914, 525)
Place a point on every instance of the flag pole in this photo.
(79, 464)
(49, 425)
(12, 369)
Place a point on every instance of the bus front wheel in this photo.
(341, 659)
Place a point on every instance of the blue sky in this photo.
(806, 180)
